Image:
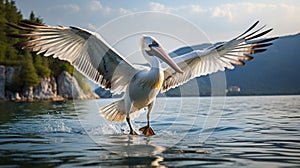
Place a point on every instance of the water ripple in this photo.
(251, 132)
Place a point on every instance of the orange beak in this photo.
(166, 58)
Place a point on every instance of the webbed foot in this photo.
(147, 130)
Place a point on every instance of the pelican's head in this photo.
(151, 47)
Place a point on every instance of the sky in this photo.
(215, 20)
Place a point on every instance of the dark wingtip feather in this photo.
(17, 35)
(269, 39)
(249, 29)
(256, 51)
(262, 45)
(12, 25)
(262, 40)
(259, 35)
(28, 22)
(20, 26)
(248, 57)
(241, 63)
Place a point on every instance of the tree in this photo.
(35, 19)
(8, 13)
(28, 72)
(57, 66)
(41, 66)
(12, 14)
(32, 67)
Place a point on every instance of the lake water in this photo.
(259, 131)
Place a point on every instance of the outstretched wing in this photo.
(217, 57)
(86, 51)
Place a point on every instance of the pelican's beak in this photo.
(166, 58)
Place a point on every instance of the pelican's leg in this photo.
(132, 131)
(147, 130)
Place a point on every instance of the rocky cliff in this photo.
(62, 88)
(69, 88)
(2, 82)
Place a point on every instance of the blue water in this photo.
(209, 132)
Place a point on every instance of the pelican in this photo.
(91, 55)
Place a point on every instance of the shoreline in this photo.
(59, 99)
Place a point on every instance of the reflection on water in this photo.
(251, 132)
(127, 145)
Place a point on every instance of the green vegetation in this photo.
(32, 67)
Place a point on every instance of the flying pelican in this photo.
(91, 55)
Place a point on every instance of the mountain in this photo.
(272, 72)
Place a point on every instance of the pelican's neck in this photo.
(154, 62)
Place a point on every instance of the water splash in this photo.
(55, 123)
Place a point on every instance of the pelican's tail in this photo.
(114, 111)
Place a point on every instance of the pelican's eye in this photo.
(154, 44)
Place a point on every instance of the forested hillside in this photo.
(32, 68)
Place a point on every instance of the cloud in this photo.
(236, 12)
(95, 6)
(233, 16)
(242, 11)
(155, 6)
(123, 11)
(107, 10)
(283, 17)
(91, 26)
(223, 12)
(196, 9)
(233, 11)
(229, 17)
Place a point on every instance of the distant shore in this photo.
(68, 99)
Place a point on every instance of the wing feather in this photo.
(86, 51)
(217, 57)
